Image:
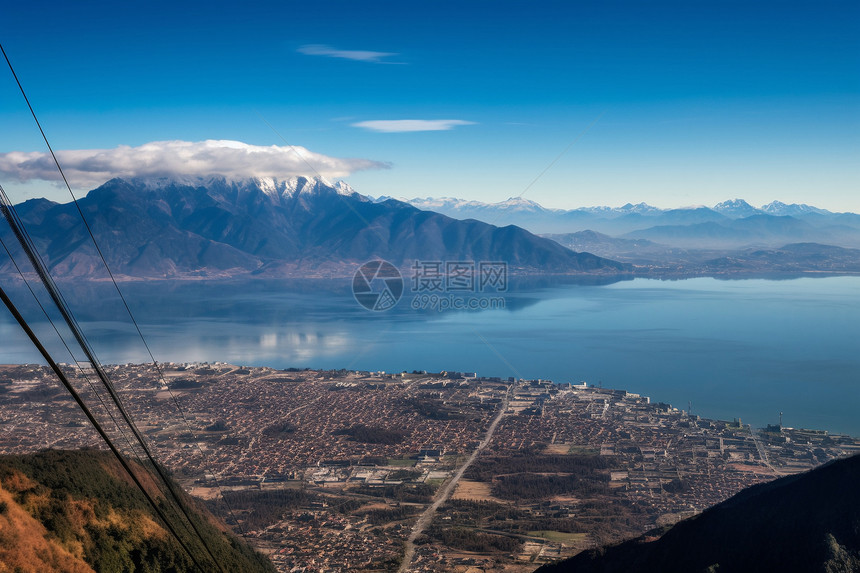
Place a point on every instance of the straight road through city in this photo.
(443, 495)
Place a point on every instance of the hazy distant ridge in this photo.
(729, 223)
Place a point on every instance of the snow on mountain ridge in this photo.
(270, 186)
(640, 208)
(780, 208)
(520, 204)
(736, 208)
(287, 188)
(442, 202)
(431, 203)
(733, 208)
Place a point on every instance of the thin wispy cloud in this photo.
(232, 159)
(408, 125)
(357, 55)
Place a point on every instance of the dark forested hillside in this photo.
(805, 523)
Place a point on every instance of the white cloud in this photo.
(405, 125)
(359, 55)
(232, 159)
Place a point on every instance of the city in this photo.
(355, 470)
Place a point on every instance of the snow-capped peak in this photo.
(640, 208)
(442, 202)
(302, 186)
(736, 208)
(343, 188)
(780, 208)
(270, 186)
(519, 204)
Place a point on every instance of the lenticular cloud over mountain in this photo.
(232, 159)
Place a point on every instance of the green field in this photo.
(583, 450)
(289, 484)
(559, 536)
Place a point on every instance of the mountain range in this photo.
(212, 227)
(729, 224)
(658, 258)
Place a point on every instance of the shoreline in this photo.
(453, 376)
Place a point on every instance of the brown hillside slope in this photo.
(25, 546)
(76, 511)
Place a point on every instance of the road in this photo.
(762, 453)
(445, 493)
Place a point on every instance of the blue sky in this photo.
(672, 103)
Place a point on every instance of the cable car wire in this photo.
(41, 269)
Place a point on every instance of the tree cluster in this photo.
(371, 434)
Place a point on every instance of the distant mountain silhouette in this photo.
(805, 523)
(156, 228)
(791, 258)
(760, 229)
(729, 223)
(589, 237)
(648, 256)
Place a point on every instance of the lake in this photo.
(741, 348)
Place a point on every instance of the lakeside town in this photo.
(372, 471)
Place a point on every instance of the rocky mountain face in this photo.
(156, 228)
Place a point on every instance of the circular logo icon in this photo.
(377, 285)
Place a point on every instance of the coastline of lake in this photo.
(746, 349)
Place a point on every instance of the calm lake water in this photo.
(745, 348)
